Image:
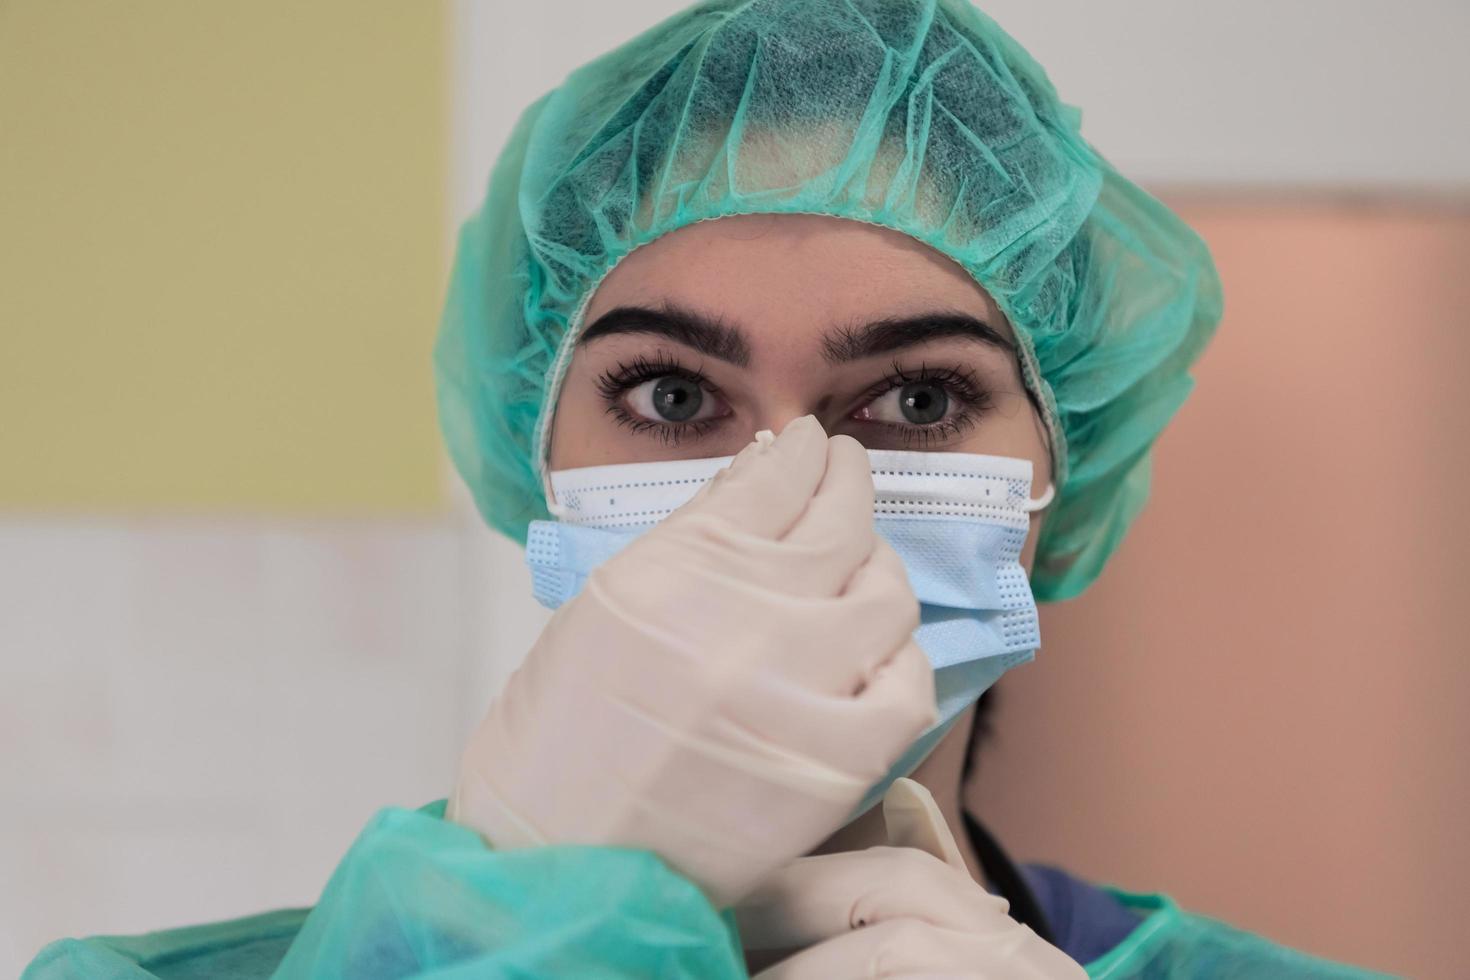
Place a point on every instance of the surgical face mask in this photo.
(958, 521)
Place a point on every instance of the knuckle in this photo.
(885, 556)
(902, 607)
(920, 673)
(892, 607)
(708, 530)
(925, 717)
(922, 710)
(811, 552)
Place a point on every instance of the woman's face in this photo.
(715, 331)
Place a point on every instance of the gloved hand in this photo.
(907, 909)
(725, 689)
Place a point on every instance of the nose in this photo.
(777, 416)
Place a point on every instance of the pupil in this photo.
(923, 402)
(677, 399)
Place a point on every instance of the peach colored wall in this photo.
(1262, 706)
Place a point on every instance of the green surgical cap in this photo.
(922, 116)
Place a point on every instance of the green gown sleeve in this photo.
(417, 896)
(1171, 944)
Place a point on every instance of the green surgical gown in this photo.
(417, 896)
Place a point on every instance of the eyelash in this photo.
(960, 383)
(612, 385)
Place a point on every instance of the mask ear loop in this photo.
(1042, 502)
(555, 509)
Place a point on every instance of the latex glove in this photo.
(725, 689)
(907, 909)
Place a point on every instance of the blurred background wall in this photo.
(233, 599)
(243, 602)
(1263, 702)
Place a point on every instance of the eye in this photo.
(920, 402)
(672, 398)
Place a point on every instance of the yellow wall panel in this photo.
(221, 254)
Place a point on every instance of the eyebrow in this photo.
(714, 338)
(703, 333)
(852, 343)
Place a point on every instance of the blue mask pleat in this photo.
(954, 562)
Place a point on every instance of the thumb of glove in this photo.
(913, 820)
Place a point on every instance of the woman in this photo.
(869, 226)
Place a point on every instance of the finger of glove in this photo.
(900, 696)
(880, 611)
(911, 948)
(766, 487)
(830, 646)
(814, 899)
(860, 735)
(835, 534)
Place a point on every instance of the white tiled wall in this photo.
(196, 717)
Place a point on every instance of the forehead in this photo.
(789, 275)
